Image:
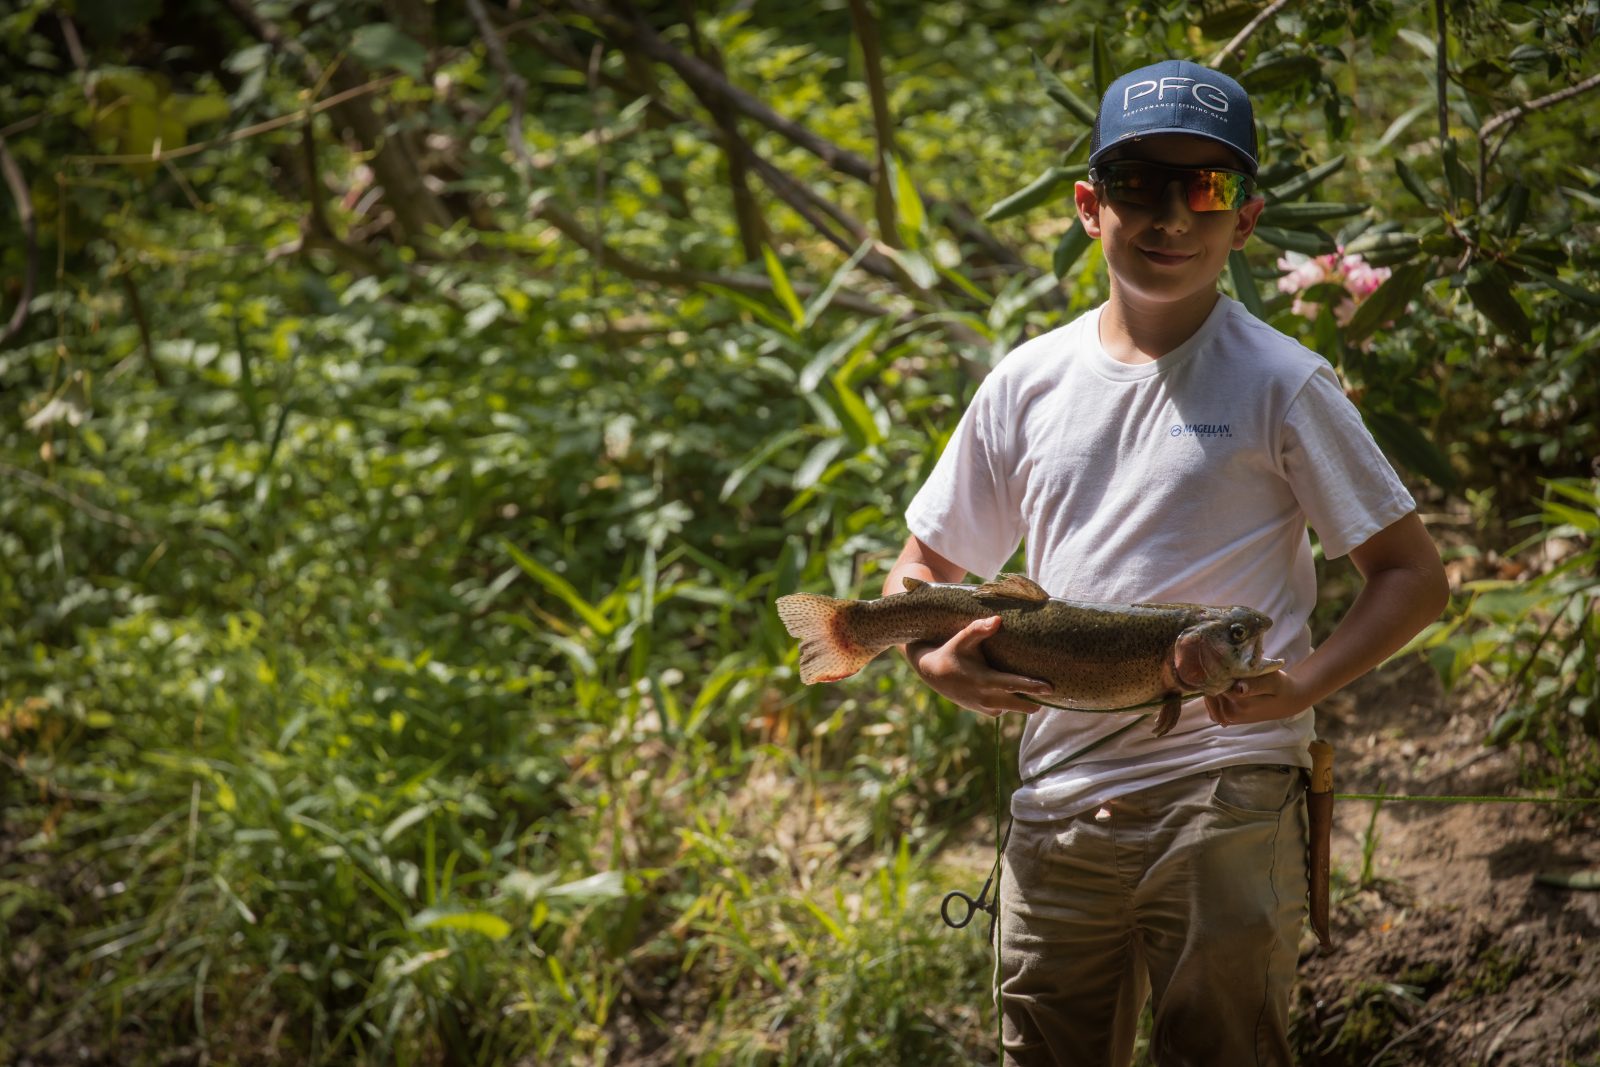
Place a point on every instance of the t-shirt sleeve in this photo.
(969, 509)
(1344, 484)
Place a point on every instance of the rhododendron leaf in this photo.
(1311, 241)
(1493, 297)
(1303, 183)
(1387, 302)
(1297, 216)
(1244, 284)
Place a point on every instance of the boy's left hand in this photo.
(1261, 699)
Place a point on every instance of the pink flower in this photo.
(1350, 272)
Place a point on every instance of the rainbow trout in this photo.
(1098, 657)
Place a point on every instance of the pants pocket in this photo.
(1255, 791)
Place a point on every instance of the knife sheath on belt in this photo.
(1319, 813)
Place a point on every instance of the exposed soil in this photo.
(1455, 951)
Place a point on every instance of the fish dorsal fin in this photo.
(912, 584)
(1011, 587)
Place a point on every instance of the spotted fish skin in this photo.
(1096, 657)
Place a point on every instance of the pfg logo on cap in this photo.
(1213, 96)
(1176, 96)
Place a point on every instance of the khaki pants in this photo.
(1192, 893)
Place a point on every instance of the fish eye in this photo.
(1237, 633)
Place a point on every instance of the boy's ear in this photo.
(1088, 201)
(1249, 215)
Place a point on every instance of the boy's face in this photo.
(1167, 252)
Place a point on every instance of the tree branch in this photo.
(316, 231)
(393, 152)
(30, 235)
(238, 135)
(516, 86)
(142, 321)
(1441, 52)
(1245, 34)
(697, 74)
(753, 230)
(67, 496)
(611, 259)
(882, 124)
(1516, 114)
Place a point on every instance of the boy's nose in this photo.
(1173, 212)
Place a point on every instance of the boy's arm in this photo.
(1404, 588)
(956, 669)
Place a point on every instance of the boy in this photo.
(1166, 446)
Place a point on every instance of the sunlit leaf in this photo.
(477, 922)
(781, 286)
(383, 46)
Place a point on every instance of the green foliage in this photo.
(1538, 640)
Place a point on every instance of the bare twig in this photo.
(1245, 34)
(92, 796)
(136, 305)
(1510, 117)
(1426, 1021)
(268, 31)
(1516, 113)
(30, 235)
(516, 85)
(239, 135)
(1441, 54)
(592, 71)
(67, 496)
(21, 125)
(611, 259)
(316, 230)
(69, 34)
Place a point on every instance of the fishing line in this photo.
(1423, 798)
(982, 902)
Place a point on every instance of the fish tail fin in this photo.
(827, 651)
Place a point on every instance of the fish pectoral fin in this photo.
(1170, 710)
(1012, 587)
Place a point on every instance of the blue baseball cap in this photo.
(1176, 96)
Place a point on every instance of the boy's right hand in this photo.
(958, 671)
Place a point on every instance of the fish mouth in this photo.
(1257, 663)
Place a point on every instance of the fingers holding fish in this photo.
(1264, 698)
(959, 672)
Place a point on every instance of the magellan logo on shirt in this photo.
(1200, 429)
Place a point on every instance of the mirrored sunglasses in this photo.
(1144, 184)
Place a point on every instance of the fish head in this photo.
(1223, 645)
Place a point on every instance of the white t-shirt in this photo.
(1188, 479)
